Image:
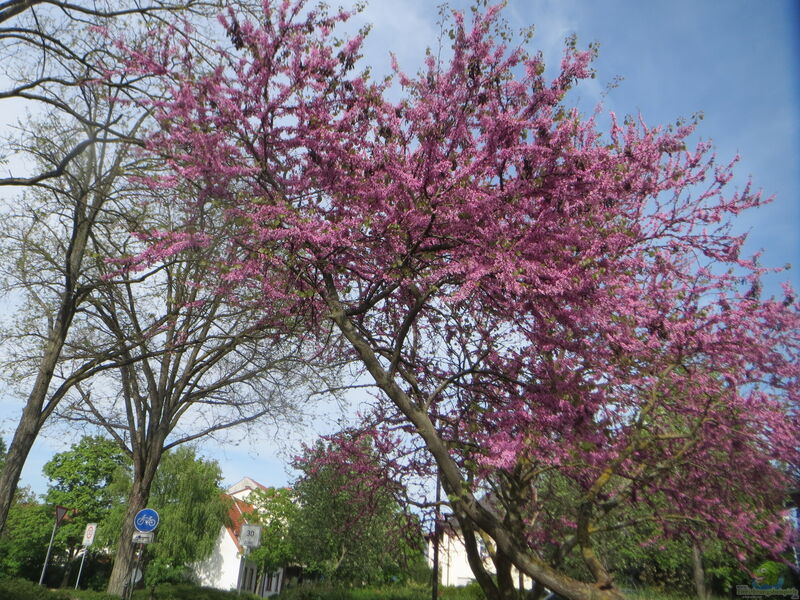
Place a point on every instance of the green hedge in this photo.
(389, 592)
(22, 589)
(91, 595)
(185, 591)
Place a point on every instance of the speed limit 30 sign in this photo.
(250, 536)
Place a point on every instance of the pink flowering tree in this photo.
(546, 308)
(350, 524)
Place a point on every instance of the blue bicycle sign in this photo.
(146, 520)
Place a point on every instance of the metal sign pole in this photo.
(145, 523)
(80, 570)
(49, 548)
(240, 583)
(61, 512)
(133, 580)
(88, 538)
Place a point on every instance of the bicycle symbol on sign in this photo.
(146, 520)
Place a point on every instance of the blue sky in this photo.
(737, 61)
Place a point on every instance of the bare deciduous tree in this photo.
(192, 363)
(46, 233)
(60, 175)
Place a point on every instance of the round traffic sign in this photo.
(146, 520)
(88, 534)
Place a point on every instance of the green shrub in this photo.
(327, 591)
(187, 591)
(91, 595)
(317, 591)
(398, 592)
(470, 591)
(22, 589)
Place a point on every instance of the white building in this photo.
(454, 569)
(226, 568)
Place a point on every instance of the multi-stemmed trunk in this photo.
(468, 511)
(144, 473)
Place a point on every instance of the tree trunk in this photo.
(140, 494)
(470, 514)
(475, 561)
(68, 567)
(18, 451)
(505, 581)
(125, 549)
(698, 573)
(38, 408)
(29, 424)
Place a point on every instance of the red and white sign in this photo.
(88, 534)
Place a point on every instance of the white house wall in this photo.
(454, 569)
(221, 569)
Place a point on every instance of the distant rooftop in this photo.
(241, 489)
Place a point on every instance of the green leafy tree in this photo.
(80, 478)
(107, 535)
(187, 494)
(23, 543)
(350, 526)
(639, 556)
(637, 549)
(277, 511)
(192, 508)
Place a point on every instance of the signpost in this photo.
(145, 522)
(249, 537)
(88, 538)
(61, 512)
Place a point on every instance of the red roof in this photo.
(237, 513)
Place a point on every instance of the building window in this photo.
(248, 579)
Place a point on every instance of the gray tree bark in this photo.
(698, 572)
